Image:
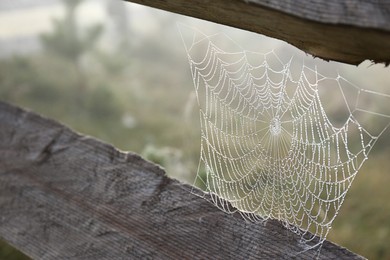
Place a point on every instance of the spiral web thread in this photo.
(268, 148)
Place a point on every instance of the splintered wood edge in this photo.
(344, 31)
(65, 195)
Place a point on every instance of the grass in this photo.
(7, 252)
(363, 223)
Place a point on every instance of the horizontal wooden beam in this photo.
(68, 196)
(348, 31)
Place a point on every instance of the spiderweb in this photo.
(269, 149)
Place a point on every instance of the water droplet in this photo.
(275, 126)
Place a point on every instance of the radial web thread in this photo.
(268, 148)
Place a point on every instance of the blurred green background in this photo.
(118, 71)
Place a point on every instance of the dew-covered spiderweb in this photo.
(269, 148)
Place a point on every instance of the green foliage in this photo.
(9, 253)
(155, 155)
(201, 180)
(102, 105)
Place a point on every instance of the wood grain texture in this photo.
(67, 196)
(348, 31)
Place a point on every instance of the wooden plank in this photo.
(349, 31)
(68, 196)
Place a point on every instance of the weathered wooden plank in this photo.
(349, 31)
(67, 196)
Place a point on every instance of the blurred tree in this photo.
(69, 42)
(9, 253)
(119, 15)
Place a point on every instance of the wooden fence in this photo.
(349, 31)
